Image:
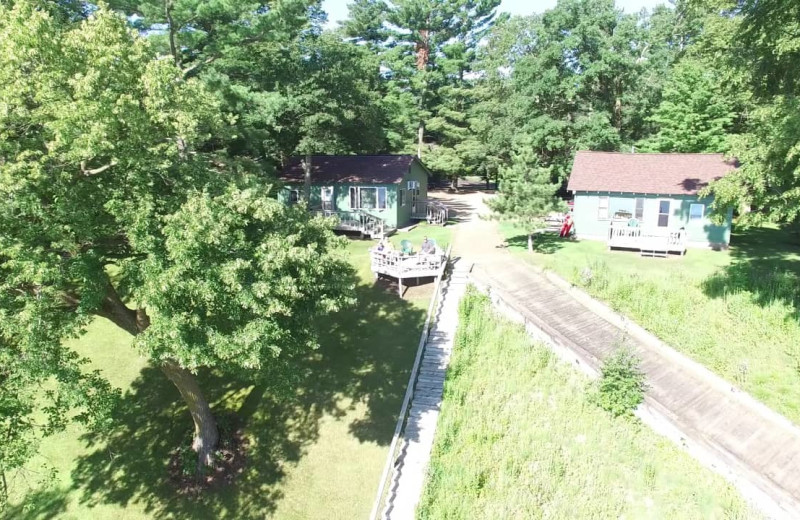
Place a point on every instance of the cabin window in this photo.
(663, 213)
(294, 196)
(368, 198)
(639, 213)
(353, 198)
(401, 197)
(696, 211)
(602, 208)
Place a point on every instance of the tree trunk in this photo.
(173, 48)
(530, 242)
(420, 137)
(206, 433)
(306, 163)
(454, 184)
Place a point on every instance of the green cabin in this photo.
(630, 199)
(371, 194)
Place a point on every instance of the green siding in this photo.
(700, 232)
(415, 173)
(394, 215)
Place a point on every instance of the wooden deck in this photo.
(401, 267)
(758, 449)
(650, 242)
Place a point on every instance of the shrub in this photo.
(622, 384)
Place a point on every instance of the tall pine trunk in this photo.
(206, 432)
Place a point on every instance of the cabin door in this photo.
(326, 195)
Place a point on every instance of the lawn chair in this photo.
(406, 247)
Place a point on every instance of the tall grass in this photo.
(519, 438)
(740, 322)
(737, 313)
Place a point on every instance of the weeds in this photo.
(518, 438)
(622, 385)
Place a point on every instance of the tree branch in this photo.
(96, 171)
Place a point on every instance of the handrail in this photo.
(409, 393)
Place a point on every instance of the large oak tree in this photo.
(115, 204)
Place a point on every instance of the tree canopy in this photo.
(117, 201)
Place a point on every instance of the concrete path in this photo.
(408, 476)
(758, 447)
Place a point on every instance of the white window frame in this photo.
(668, 214)
(600, 208)
(702, 211)
(326, 203)
(638, 212)
(359, 205)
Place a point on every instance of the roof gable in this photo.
(647, 173)
(358, 169)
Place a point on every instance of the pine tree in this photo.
(527, 193)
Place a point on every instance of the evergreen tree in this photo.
(527, 193)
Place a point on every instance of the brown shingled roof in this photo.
(365, 169)
(652, 173)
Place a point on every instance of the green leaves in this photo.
(622, 384)
(694, 114)
(241, 278)
(115, 187)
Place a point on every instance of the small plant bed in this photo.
(521, 435)
(737, 312)
(229, 462)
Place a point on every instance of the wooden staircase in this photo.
(431, 211)
(410, 465)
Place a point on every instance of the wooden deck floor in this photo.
(408, 476)
(756, 444)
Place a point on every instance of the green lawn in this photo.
(317, 450)
(736, 312)
(518, 438)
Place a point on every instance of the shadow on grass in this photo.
(765, 262)
(39, 505)
(365, 356)
(544, 243)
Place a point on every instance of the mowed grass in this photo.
(317, 448)
(518, 438)
(737, 312)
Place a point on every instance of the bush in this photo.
(621, 387)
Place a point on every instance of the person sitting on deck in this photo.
(384, 245)
(428, 246)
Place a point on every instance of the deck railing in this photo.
(399, 265)
(620, 234)
(356, 221)
(432, 211)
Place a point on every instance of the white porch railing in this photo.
(356, 221)
(646, 240)
(401, 266)
(432, 211)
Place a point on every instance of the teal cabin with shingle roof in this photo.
(392, 189)
(657, 193)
